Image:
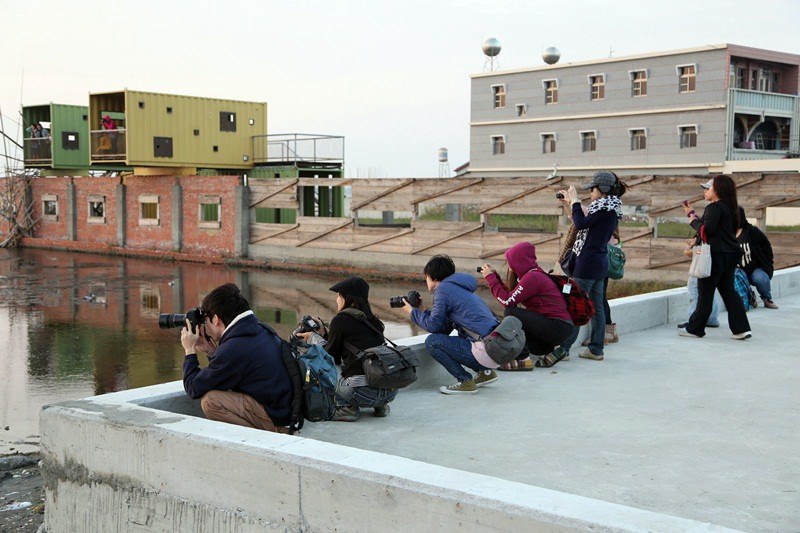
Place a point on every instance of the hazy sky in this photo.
(392, 77)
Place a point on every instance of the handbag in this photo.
(701, 261)
(616, 262)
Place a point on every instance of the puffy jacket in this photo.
(247, 360)
(456, 306)
(535, 291)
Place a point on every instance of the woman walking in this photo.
(717, 227)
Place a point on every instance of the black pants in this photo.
(542, 334)
(723, 268)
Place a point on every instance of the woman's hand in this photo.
(486, 270)
(305, 335)
(572, 194)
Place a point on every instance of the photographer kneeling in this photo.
(353, 329)
(245, 382)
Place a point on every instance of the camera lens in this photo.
(171, 320)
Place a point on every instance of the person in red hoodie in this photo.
(544, 314)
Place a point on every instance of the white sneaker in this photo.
(742, 336)
(684, 333)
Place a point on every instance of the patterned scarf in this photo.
(606, 203)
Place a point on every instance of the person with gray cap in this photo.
(353, 329)
(591, 252)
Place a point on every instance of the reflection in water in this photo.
(75, 325)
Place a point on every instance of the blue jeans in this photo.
(713, 319)
(362, 396)
(760, 279)
(594, 288)
(452, 353)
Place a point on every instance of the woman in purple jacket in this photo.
(591, 252)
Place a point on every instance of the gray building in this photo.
(687, 111)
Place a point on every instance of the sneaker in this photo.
(587, 354)
(769, 304)
(464, 387)
(684, 333)
(382, 410)
(485, 377)
(742, 336)
(346, 414)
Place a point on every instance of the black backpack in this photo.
(310, 399)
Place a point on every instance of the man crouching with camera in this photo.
(245, 382)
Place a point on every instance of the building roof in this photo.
(737, 50)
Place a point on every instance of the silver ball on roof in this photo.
(551, 55)
(443, 155)
(491, 47)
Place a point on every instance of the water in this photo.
(76, 325)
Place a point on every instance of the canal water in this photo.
(75, 325)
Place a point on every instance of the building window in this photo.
(498, 144)
(227, 121)
(776, 82)
(69, 140)
(741, 74)
(765, 80)
(686, 76)
(754, 80)
(548, 143)
(588, 141)
(499, 94)
(550, 91)
(688, 136)
(162, 146)
(50, 207)
(148, 210)
(522, 110)
(209, 211)
(151, 302)
(597, 84)
(97, 209)
(638, 139)
(639, 83)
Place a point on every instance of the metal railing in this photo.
(38, 150)
(757, 102)
(293, 147)
(108, 145)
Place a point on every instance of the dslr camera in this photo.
(305, 325)
(413, 297)
(196, 317)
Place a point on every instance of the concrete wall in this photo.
(525, 87)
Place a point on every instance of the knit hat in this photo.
(352, 286)
(603, 180)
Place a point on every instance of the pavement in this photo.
(705, 429)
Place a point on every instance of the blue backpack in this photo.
(742, 284)
(313, 376)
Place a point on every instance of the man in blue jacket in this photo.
(456, 306)
(245, 382)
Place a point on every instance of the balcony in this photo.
(108, 146)
(38, 151)
(762, 103)
(298, 147)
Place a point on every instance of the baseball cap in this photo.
(603, 180)
(708, 184)
(352, 286)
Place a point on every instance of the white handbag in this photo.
(701, 261)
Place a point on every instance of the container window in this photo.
(162, 146)
(169, 110)
(251, 121)
(216, 148)
(196, 133)
(141, 105)
(69, 140)
(227, 121)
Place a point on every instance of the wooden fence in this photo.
(658, 198)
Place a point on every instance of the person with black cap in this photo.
(591, 252)
(353, 329)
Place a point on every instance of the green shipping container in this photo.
(144, 129)
(67, 145)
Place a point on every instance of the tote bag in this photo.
(701, 261)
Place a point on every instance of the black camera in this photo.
(559, 196)
(413, 297)
(479, 270)
(196, 317)
(305, 325)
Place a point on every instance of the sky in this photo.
(392, 77)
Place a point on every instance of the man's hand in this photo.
(486, 270)
(305, 335)
(203, 344)
(189, 339)
(407, 306)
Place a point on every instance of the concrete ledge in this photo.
(113, 465)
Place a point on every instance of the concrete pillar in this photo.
(452, 212)
(177, 217)
(177, 292)
(71, 214)
(242, 280)
(241, 222)
(121, 213)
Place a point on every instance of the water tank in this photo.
(442, 155)
(551, 55)
(491, 47)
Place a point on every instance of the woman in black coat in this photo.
(718, 227)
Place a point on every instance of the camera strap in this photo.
(360, 316)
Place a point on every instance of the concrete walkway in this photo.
(705, 429)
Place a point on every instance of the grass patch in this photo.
(788, 229)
